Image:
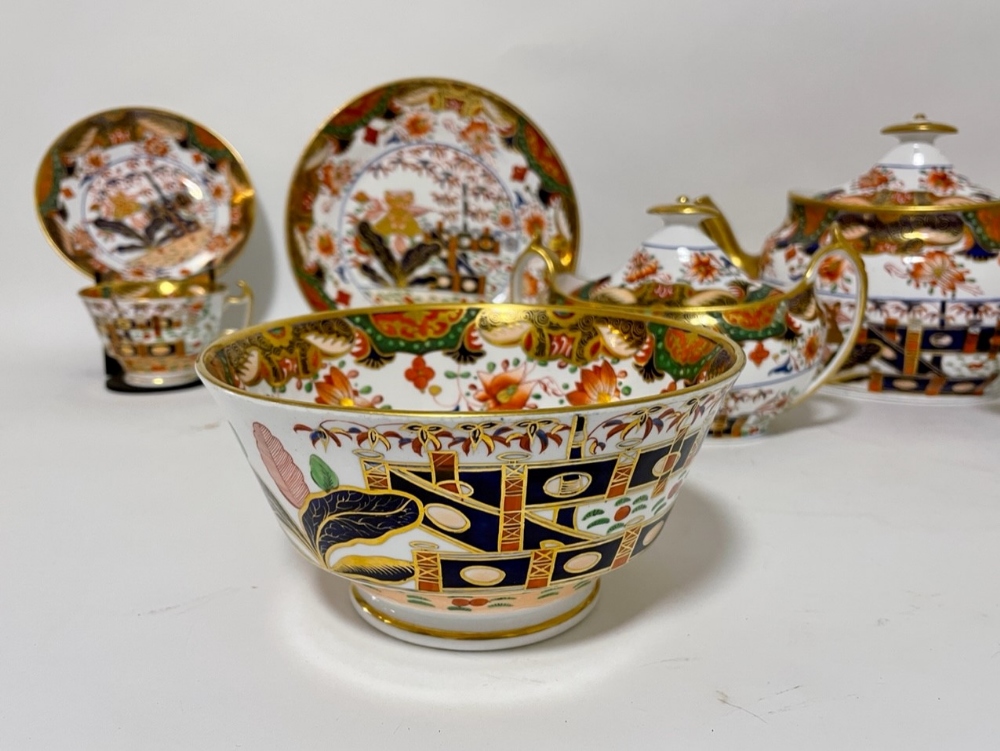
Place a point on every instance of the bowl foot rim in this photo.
(530, 627)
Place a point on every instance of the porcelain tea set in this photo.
(467, 430)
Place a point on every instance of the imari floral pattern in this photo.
(152, 335)
(930, 240)
(783, 336)
(469, 459)
(934, 290)
(143, 194)
(420, 191)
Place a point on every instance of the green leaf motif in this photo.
(321, 473)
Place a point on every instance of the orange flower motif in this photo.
(941, 182)
(477, 135)
(704, 267)
(218, 191)
(324, 244)
(759, 354)
(873, 179)
(811, 350)
(94, 159)
(506, 220)
(335, 389)
(938, 270)
(534, 224)
(417, 124)
(156, 146)
(505, 390)
(597, 385)
(419, 374)
(832, 269)
(335, 176)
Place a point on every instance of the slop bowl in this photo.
(473, 469)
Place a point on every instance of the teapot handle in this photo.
(839, 245)
(531, 279)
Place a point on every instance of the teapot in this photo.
(692, 268)
(930, 240)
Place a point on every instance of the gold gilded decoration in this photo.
(312, 352)
(534, 628)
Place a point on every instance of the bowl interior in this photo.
(469, 358)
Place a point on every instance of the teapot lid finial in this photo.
(684, 206)
(919, 124)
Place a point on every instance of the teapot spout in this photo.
(717, 227)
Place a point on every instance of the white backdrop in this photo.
(821, 588)
(643, 100)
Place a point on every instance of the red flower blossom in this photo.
(940, 182)
(323, 242)
(335, 389)
(417, 124)
(534, 224)
(156, 146)
(335, 176)
(832, 269)
(938, 270)
(419, 374)
(505, 390)
(873, 179)
(704, 267)
(597, 385)
(811, 350)
(477, 135)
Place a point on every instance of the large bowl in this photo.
(472, 469)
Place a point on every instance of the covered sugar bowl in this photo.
(693, 269)
(930, 241)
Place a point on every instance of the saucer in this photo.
(424, 190)
(139, 193)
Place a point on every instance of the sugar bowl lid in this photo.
(914, 173)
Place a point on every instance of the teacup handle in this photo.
(535, 255)
(244, 298)
(838, 245)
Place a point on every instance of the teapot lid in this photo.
(913, 173)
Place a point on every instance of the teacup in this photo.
(473, 469)
(156, 330)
